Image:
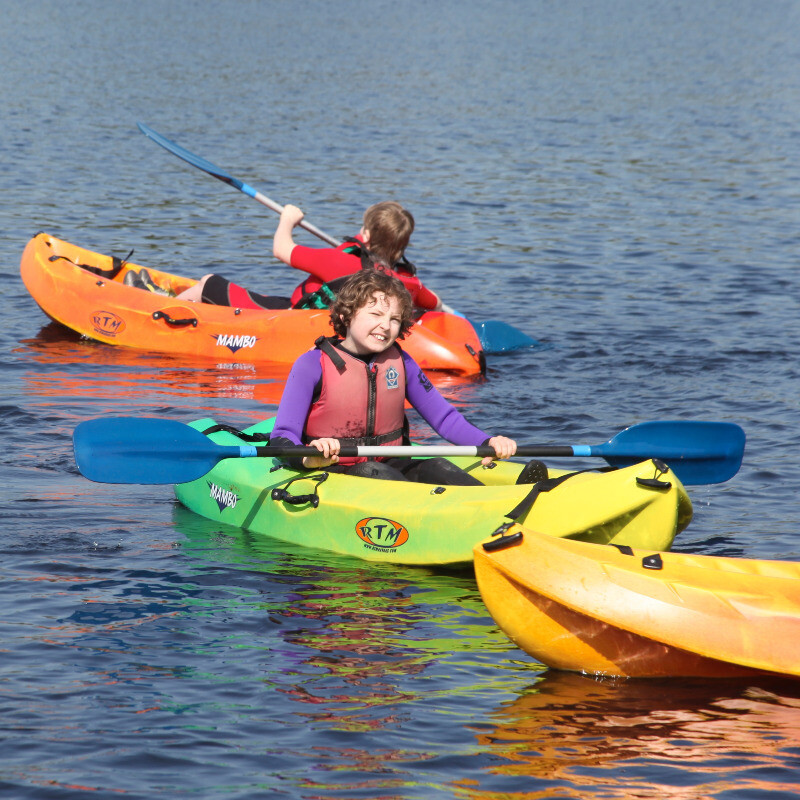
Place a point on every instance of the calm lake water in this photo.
(620, 180)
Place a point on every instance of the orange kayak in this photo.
(601, 610)
(85, 291)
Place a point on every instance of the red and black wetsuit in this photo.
(328, 265)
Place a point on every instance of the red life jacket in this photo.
(359, 403)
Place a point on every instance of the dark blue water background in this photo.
(617, 179)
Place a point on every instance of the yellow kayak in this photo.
(637, 613)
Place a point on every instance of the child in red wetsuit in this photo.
(352, 389)
(380, 244)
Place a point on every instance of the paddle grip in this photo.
(278, 208)
(554, 451)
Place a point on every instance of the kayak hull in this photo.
(594, 609)
(412, 523)
(59, 278)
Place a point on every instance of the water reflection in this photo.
(60, 363)
(362, 628)
(377, 653)
(351, 634)
(698, 736)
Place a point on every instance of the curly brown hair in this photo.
(357, 292)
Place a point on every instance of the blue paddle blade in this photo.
(500, 337)
(191, 158)
(144, 450)
(698, 452)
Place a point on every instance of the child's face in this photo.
(375, 326)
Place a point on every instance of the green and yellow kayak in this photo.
(423, 524)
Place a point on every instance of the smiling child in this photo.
(351, 390)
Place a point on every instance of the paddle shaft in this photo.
(429, 451)
(403, 451)
(277, 207)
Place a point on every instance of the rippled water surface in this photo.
(620, 180)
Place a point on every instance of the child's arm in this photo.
(290, 421)
(282, 241)
(444, 418)
(427, 299)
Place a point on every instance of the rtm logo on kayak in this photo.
(226, 498)
(234, 343)
(107, 323)
(379, 533)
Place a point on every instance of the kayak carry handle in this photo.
(282, 492)
(295, 499)
(502, 538)
(175, 323)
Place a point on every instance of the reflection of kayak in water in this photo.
(60, 362)
(589, 732)
(415, 523)
(341, 616)
(608, 611)
(86, 292)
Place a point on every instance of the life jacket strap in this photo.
(325, 344)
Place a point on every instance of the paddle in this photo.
(149, 450)
(217, 172)
(498, 337)
(495, 336)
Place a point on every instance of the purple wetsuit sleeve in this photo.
(444, 418)
(297, 396)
